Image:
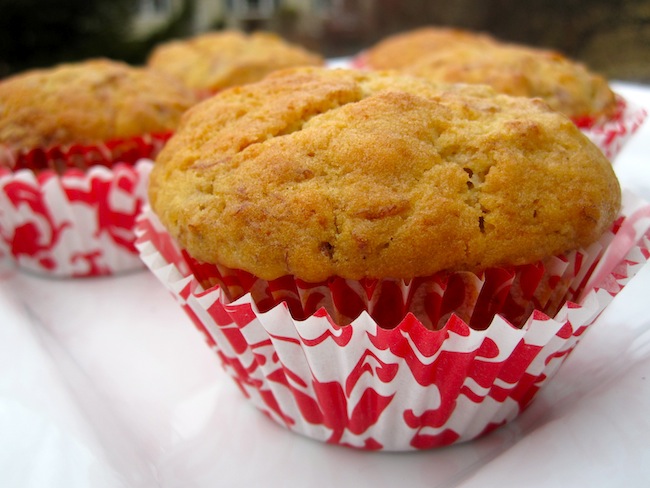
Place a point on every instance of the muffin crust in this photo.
(317, 173)
(88, 102)
(403, 49)
(217, 60)
(566, 86)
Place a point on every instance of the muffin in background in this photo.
(451, 55)
(404, 48)
(89, 103)
(76, 143)
(380, 261)
(211, 62)
(459, 56)
(566, 86)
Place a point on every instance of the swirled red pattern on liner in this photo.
(77, 224)
(403, 388)
(611, 134)
(69, 211)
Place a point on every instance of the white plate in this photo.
(105, 383)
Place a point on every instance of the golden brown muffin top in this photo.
(87, 102)
(565, 85)
(399, 50)
(221, 59)
(317, 173)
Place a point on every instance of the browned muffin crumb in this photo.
(566, 86)
(403, 49)
(88, 102)
(318, 173)
(221, 59)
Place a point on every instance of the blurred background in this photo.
(611, 36)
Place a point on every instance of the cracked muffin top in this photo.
(88, 102)
(317, 173)
(218, 60)
(566, 86)
(403, 49)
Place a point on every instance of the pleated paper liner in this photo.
(610, 134)
(406, 387)
(70, 211)
(84, 156)
(512, 292)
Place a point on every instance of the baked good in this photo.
(565, 85)
(402, 49)
(76, 142)
(89, 102)
(317, 173)
(452, 55)
(295, 219)
(216, 60)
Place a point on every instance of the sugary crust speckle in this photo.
(318, 173)
(217, 60)
(88, 102)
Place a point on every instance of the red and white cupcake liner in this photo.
(512, 292)
(403, 388)
(609, 134)
(84, 156)
(360, 61)
(71, 211)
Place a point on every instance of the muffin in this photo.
(73, 143)
(453, 56)
(211, 62)
(404, 48)
(566, 86)
(304, 175)
(380, 261)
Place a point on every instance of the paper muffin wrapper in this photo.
(76, 224)
(609, 134)
(403, 388)
(512, 292)
(60, 158)
(70, 210)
